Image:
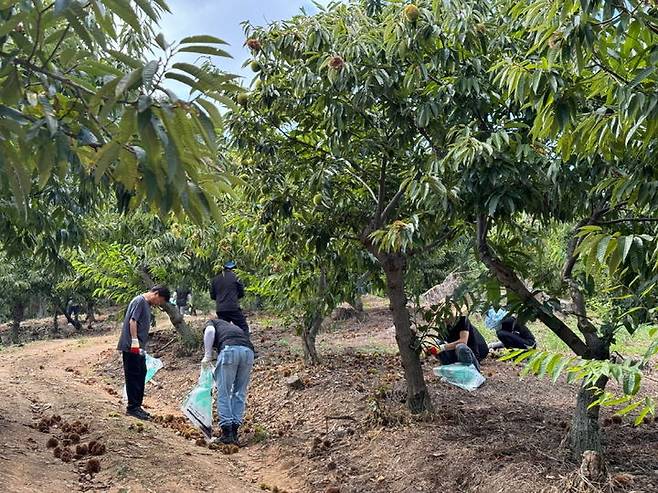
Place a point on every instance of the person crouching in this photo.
(463, 344)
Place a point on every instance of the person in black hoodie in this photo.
(463, 344)
(235, 360)
(226, 289)
(512, 333)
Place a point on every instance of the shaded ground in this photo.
(346, 429)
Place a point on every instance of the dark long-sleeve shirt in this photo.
(226, 289)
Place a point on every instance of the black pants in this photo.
(512, 340)
(235, 316)
(134, 370)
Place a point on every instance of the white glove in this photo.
(206, 362)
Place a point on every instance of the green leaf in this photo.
(49, 114)
(212, 112)
(150, 69)
(129, 81)
(184, 79)
(643, 414)
(202, 39)
(205, 50)
(642, 75)
(11, 89)
(131, 62)
(632, 383)
(625, 243)
(108, 154)
(79, 28)
(163, 5)
(162, 43)
(629, 408)
(127, 169)
(123, 9)
(145, 5)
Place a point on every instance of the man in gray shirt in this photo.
(132, 343)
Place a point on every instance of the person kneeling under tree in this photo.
(463, 344)
(235, 361)
(513, 334)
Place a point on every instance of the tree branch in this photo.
(508, 278)
(382, 188)
(630, 220)
(37, 36)
(30, 66)
(59, 42)
(391, 205)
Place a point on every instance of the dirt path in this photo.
(56, 377)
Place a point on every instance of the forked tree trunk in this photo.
(418, 399)
(585, 432)
(313, 323)
(17, 314)
(309, 333)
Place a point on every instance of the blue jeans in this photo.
(232, 375)
(461, 354)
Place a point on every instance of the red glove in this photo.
(134, 346)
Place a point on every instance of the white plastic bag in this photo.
(197, 406)
(152, 367)
(461, 375)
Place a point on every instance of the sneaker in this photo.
(227, 435)
(139, 414)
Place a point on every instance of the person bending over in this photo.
(235, 360)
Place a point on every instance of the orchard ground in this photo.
(346, 430)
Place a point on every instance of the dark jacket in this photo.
(475, 340)
(511, 324)
(227, 334)
(226, 289)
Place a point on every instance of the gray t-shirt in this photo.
(140, 311)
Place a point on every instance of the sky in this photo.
(222, 18)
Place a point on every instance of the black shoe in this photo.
(139, 414)
(234, 432)
(227, 435)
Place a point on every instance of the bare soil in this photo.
(346, 430)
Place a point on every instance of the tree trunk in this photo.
(309, 333)
(585, 433)
(313, 322)
(357, 304)
(55, 321)
(17, 313)
(90, 318)
(73, 321)
(418, 399)
(184, 331)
